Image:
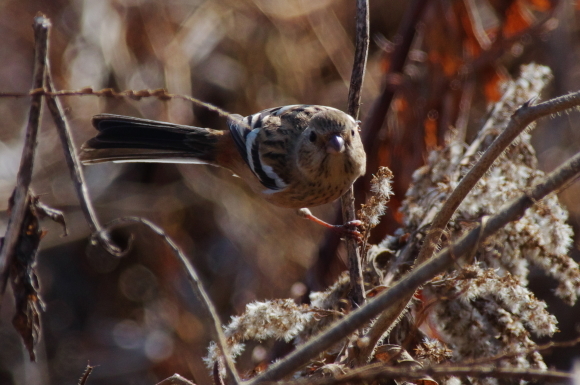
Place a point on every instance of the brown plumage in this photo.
(293, 156)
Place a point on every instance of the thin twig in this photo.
(360, 57)
(75, 169)
(176, 379)
(207, 309)
(374, 121)
(85, 377)
(41, 28)
(518, 123)
(357, 293)
(407, 285)
(160, 93)
(536, 348)
(381, 371)
(382, 326)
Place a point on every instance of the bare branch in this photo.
(41, 29)
(208, 311)
(538, 348)
(357, 294)
(75, 169)
(428, 270)
(360, 57)
(381, 371)
(382, 326)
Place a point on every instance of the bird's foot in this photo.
(350, 229)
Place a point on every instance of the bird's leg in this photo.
(349, 228)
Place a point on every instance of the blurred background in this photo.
(134, 317)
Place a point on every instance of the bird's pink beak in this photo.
(335, 144)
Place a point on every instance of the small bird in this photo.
(293, 156)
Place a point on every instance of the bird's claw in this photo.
(351, 229)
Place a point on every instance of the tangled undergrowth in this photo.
(479, 312)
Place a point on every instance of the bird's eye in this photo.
(312, 136)
(352, 132)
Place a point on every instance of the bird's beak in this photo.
(335, 144)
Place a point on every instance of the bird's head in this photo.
(331, 146)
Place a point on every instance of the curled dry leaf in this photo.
(23, 278)
(395, 355)
(24, 281)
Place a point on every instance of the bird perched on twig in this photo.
(292, 156)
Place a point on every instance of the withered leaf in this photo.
(395, 355)
(24, 281)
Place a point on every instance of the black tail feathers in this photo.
(124, 138)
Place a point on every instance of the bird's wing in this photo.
(252, 137)
(266, 141)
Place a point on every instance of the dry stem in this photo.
(41, 29)
(75, 169)
(357, 293)
(380, 371)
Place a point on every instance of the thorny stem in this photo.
(428, 270)
(18, 210)
(159, 93)
(208, 311)
(85, 377)
(357, 294)
(518, 123)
